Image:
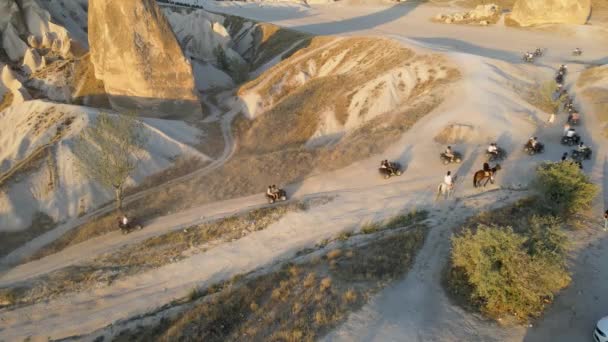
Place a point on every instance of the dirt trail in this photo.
(415, 308)
(34, 245)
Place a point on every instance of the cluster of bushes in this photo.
(512, 261)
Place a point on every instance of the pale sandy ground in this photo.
(414, 309)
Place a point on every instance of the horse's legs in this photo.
(487, 180)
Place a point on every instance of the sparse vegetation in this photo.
(511, 262)
(545, 98)
(108, 151)
(6, 101)
(397, 221)
(564, 188)
(151, 253)
(299, 302)
(508, 273)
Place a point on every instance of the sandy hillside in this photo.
(316, 113)
(39, 172)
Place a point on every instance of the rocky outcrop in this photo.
(481, 15)
(10, 14)
(537, 12)
(12, 83)
(32, 61)
(13, 45)
(136, 55)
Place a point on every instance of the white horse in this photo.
(445, 190)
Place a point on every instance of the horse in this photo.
(482, 175)
(445, 190)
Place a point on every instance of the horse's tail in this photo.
(475, 180)
(438, 192)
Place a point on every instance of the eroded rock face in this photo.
(10, 14)
(537, 12)
(13, 45)
(136, 54)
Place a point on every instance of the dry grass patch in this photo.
(541, 96)
(299, 302)
(273, 40)
(181, 166)
(398, 221)
(7, 100)
(9, 241)
(149, 254)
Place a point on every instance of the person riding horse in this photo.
(486, 169)
(486, 174)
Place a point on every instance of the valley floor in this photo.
(415, 308)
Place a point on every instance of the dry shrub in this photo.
(455, 134)
(543, 97)
(333, 254)
(7, 100)
(151, 253)
(289, 305)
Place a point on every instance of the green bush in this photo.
(505, 278)
(546, 239)
(565, 189)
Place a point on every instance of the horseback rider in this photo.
(449, 154)
(486, 169)
(448, 180)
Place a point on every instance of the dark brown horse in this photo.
(487, 175)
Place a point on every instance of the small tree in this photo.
(109, 150)
(564, 187)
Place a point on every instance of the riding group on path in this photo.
(533, 146)
(494, 153)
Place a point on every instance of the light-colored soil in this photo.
(415, 308)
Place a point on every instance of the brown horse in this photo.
(482, 175)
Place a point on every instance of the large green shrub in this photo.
(507, 274)
(564, 188)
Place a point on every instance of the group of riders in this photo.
(532, 146)
(529, 56)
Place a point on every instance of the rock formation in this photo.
(537, 12)
(136, 55)
(13, 45)
(481, 15)
(32, 61)
(10, 14)
(10, 81)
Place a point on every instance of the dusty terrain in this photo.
(485, 99)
